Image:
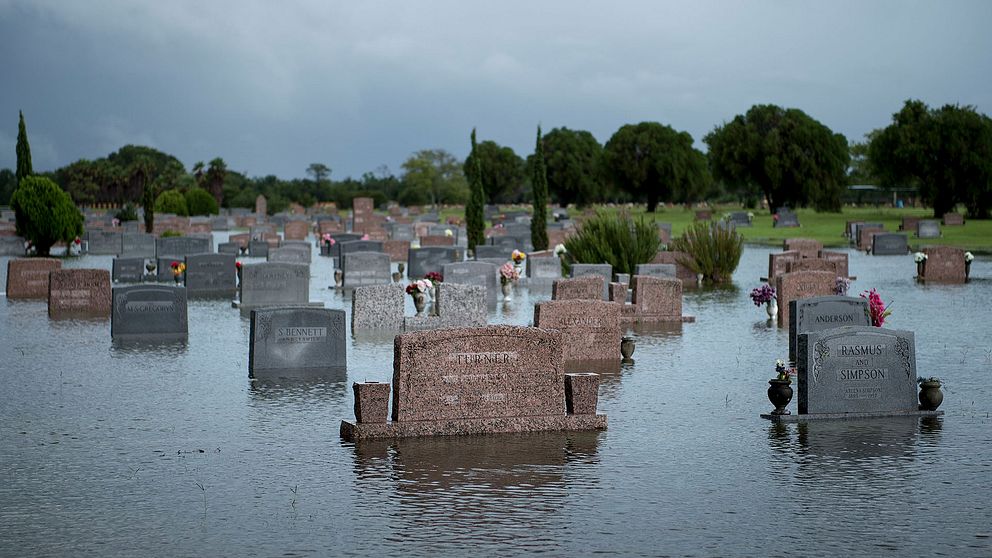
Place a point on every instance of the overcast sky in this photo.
(274, 86)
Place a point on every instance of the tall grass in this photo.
(713, 251)
(616, 239)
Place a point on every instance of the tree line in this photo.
(781, 155)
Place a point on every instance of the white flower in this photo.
(559, 249)
(447, 232)
(920, 257)
(968, 256)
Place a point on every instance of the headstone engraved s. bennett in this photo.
(149, 313)
(293, 341)
(825, 312)
(857, 369)
(28, 277)
(79, 293)
(476, 381)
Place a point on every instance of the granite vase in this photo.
(419, 302)
(780, 394)
(930, 396)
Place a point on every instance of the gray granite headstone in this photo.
(149, 313)
(928, 228)
(138, 245)
(857, 369)
(289, 254)
(274, 284)
(220, 223)
(740, 219)
(128, 270)
(818, 313)
(402, 232)
(290, 341)
(365, 268)
(180, 246)
(378, 307)
(11, 246)
(360, 246)
(258, 249)
(490, 252)
(543, 268)
(600, 270)
(668, 271)
(474, 273)
(258, 231)
(889, 244)
(232, 248)
(786, 219)
(429, 258)
(457, 306)
(211, 275)
(104, 243)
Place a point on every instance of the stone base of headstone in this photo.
(352, 432)
(581, 393)
(371, 402)
(847, 416)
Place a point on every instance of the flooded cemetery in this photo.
(291, 388)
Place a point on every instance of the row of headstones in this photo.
(783, 217)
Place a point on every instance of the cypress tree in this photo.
(474, 214)
(24, 169)
(539, 184)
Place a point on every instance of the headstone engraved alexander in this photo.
(149, 313)
(476, 381)
(211, 275)
(274, 284)
(128, 270)
(365, 268)
(77, 293)
(432, 258)
(591, 328)
(546, 268)
(857, 369)
(473, 273)
(106, 243)
(377, 307)
(294, 341)
(177, 247)
(589, 287)
(801, 284)
(928, 228)
(600, 270)
(889, 244)
(825, 312)
(27, 278)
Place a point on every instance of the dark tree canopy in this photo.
(946, 153)
(539, 188)
(654, 162)
(502, 172)
(24, 168)
(794, 159)
(475, 222)
(45, 214)
(572, 159)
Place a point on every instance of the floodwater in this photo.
(171, 450)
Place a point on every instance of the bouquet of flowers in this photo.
(177, 268)
(326, 237)
(434, 277)
(422, 286)
(782, 371)
(968, 257)
(876, 308)
(448, 232)
(508, 273)
(517, 256)
(559, 250)
(919, 257)
(841, 285)
(762, 294)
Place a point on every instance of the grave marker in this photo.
(953, 220)
(600, 270)
(944, 264)
(149, 313)
(889, 244)
(377, 307)
(547, 268)
(128, 270)
(583, 288)
(801, 284)
(825, 312)
(75, 293)
(590, 328)
(928, 228)
(274, 284)
(655, 270)
(211, 275)
(295, 341)
(105, 243)
(365, 268)
(27, 278)
(432, 258)
(473, 273)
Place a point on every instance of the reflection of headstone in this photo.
(149, 312)
(77, 293)
(365, 268)
(28, 277)
(128, 270)
(211, 275)
(824, 312)
(293, 341)
(857, 369)
(928, 228)
(801, 284)
(889, 244)
(591, 328)
(477, 381)
(377, 307)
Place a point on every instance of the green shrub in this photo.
(200, 202)
(45, 214)
(171, 201)
(168, 233)
(615, 239)
(127, 213)
(713, 251)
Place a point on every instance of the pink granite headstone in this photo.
(682, 271)
(79, 293)
(953, 220)
(807, 247)
(944, 264)
(656, 299)
(27, 278)
(812, 264)
(801, 284)
(437, 240)
(839, 259)
(864, 236)
(587, 287)
(777, 262)
(398, 250)
(296, 230)
(591, 328)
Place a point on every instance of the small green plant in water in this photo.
(616, 239)
(712, 251)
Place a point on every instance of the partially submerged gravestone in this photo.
(889, 244)
(811, 264)
(543, 268)
(27, 278)
(178, 247)
(484, 380)
(653, 300)
(274, 284)
(944, 264)
(292, 342)
(457, 306)
(289, 254)
(676, 258)
(582, 288)
(211, 275)
(840, 259)
(806, 247)
(104, 243)
(474, 273)
(600, 270)
(79, 293)
(149, 313)
(778, 263)
(591, 328)
(825, 312)
(128, 270)
(801, 284)
(365, 268)
(431, 258)
(856, 371)
(378, 307)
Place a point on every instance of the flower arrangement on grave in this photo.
(919, 257)
(877, 309)
(434, 277)
(518, 257)
(560, 250)
(328, 241)
(420, 286)
(841, 285)
(783, 372)
(508, 274)
(448, 232)
(177, 268)
(968, 257)
(763, 294)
